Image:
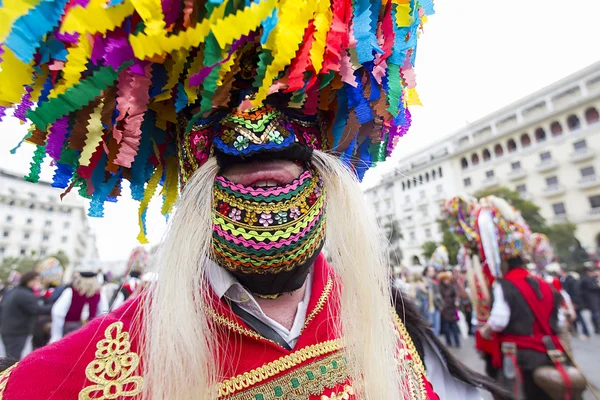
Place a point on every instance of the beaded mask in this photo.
(269, 237)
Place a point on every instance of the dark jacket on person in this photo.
(19, 310)
(573, 287)
(448, 293)
(590, 294)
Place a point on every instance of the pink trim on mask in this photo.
(271, 191)
(261, 245)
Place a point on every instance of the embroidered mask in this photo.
(268, 237)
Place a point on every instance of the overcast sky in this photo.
(474, 57)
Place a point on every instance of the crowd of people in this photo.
(38, 308)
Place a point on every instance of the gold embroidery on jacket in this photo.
(413, 366)
(280, 365)
(343, 395)
(112, 371)
(320, 303)
(4, 378)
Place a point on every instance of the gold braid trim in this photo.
(4, 378)
(320, 303)
(414, 367)
(232, 325)
(255, 376)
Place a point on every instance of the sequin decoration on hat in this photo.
(460, 213)
(542, 252)
(105, 83)
(138, 260)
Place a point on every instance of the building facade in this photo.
(35, 222)
(545, 146)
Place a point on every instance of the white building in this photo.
(546, 146)
(34, 221)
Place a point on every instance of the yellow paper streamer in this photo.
(148, 194)
(225, 68)
(151, 13)
(38, 85)
(96, 17)
(174, 66)
(322, 23)
(14, 74)
(94, 136)
(165, 112)
(145, 46)
(413, 98)
(284, 40)
(403, 13)
(241, 23)
(77, 59)
(196, 64)
(170, 188)
(10, 11)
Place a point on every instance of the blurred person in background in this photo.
(19, 310)
(572, 285)
(78, 304)
(435, 299)
(417, 291)
(449, 312)
(590, 294)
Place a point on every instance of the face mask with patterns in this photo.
(268, 237)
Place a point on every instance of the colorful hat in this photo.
(50, 270)
(542, 252)
(138, 260)
(439, 258)
(144, 91)
(461, 214)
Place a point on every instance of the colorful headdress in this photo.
(440, 259)
(129, 89)
(138, 260)
(51, 271)
(461, 214)
(542, 252)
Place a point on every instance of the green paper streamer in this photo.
(212, 55)
(36, 165)
(395, 89)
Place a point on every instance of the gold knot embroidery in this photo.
(113, 368)
(344, 395)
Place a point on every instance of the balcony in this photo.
(560, 218)
(407, 223)
(553, 190)
(407, 207)
(593, 214)
(581, 155)
(439, 196)
(525, 196)
(515, 174)
(422, 201)
(489, 182)
(546, 165)
(588, 182)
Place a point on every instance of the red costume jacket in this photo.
(102, 359)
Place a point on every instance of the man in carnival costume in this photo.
(264, 113)
(525, 311)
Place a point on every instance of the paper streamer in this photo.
(56, 137)
(171, 186)
(151, 13)
(96, 17)
(36, 165)
(148, 194)
(14, 74)
(94, 136)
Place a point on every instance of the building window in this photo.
(407, 198)
(63, 239)
(11, 203)
(587, 172)
(551, 181)
(516, 165)
(26, 235)
(573, 122)
(9, 218)
(2, 250)
(388, 204)
(595, 202)
(511, 145)
(440, 171)
(48, 223)
(498, 150)
(43, 252)
(403, 188)
(412, 236)
(540, 135)
(525, 140)
(408, 184)
(467, 182)
(427, 233)
(426, 176)
(45, 238)
(579, 145)
(464, 163)
(486, 155)
(422, 194)
(559, 209)
(474, 159)
(522, 189)
(489, 174)
(69, 211)
(67, 224)
(545, 156)
(23, 251)
(6, 233)
(29, 221)
(32, 206)
(433, 174)
(439, 188)
(556, 129)
(591, 115)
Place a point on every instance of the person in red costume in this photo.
(264, 116)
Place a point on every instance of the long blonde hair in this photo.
(178, 338)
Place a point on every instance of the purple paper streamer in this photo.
(25, 105)
(66, 37)
(2, 112)
(117, 51)
(197, 79)
(56, 137)
(171, 9)
(1, 51)
(98, 50)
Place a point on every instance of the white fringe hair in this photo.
(177, 337)
(85, 286)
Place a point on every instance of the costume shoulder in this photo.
(101, 356)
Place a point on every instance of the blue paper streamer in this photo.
(358, 103)
(101, 189)
(159, 79)
(268, 24)
(62, 176)
(140, 162)
(365, 159)
(363, 32)
(182, 98)
(341, 116)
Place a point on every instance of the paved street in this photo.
(586, 353)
